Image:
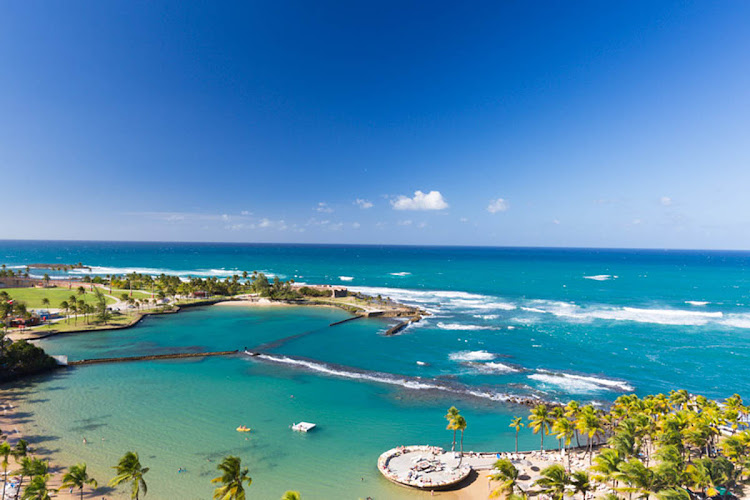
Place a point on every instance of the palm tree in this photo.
(45, 302)
(453, 412)
(607, 465)
(37, 488)
(461, 426)
(508, 474)
(581, 483)
(290, 495)
(516, 424)
(232, 478)
(65, 306)
(129, 469)
(540, 420)
(637, 476)
(77, 477)
(563, 430)
(30, 467)
(554, 480)
(5, 452)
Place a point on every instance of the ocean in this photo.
(556, 324)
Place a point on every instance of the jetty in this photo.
(154, 357)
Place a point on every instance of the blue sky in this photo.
(500, 123)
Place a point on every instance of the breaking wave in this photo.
(346, 278)
(600, 277)
(459, 326)
(472, 356)
(579, 384)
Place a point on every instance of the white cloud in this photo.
(422, 225)
(404, 223)
(556, 222)
(356, 225)
(245, 212)
(323, 208)
(665, 201)
(498, 205)
(363, 204)
(421, 201)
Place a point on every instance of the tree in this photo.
(563, 430)
(554, 480)
(30, 468)
(581, 483)
(453, 412)
(5, 451)
(77, 477)
(289, 495)
(45, 302)
(130, 470)
(461, 426)
(517, 424)
(232, 478)
(638, 477)
(37, 488)
(540, 421)
(508, 474)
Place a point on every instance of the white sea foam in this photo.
(472, 356)
(696, 302)
(152, 271)
(346, 278)
(579, 384)
(600, 277)
(328, 370)
(385, 378)
(494, 367)
(402, 273)
(435, 301)
(736, 321)
(574, 312)
(486, 316)
(459, 326)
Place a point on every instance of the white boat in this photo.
(303, 426)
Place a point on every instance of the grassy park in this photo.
(33, 297)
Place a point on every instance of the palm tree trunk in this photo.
(81, 492)
(453, 446)
(516, 441)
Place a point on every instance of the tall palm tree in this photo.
(232, 478)
(540, 421)
(37, 488)
(564, 430)
(453, 412)
(461, 426)
(581, 483)
(45, 302)
(517, 424)
(129, 469)
(77, 477)
(505, 471)
(637, 477)
(554, 480)
(30, 467)
(607, 465)
(290, 495)
(5, 451)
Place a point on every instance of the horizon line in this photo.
(517, 247)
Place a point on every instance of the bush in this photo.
(20, 358)
(314, 292)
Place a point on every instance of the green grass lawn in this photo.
(80, 324)
(137, 294)
(32, 297)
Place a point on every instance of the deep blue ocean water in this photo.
(554, 323)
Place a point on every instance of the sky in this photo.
(503, 123)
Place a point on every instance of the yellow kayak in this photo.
(243, 428)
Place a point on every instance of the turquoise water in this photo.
(588, 324)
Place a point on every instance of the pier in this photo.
(154, 357)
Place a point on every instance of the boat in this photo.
(303, 426)
(243, 428)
